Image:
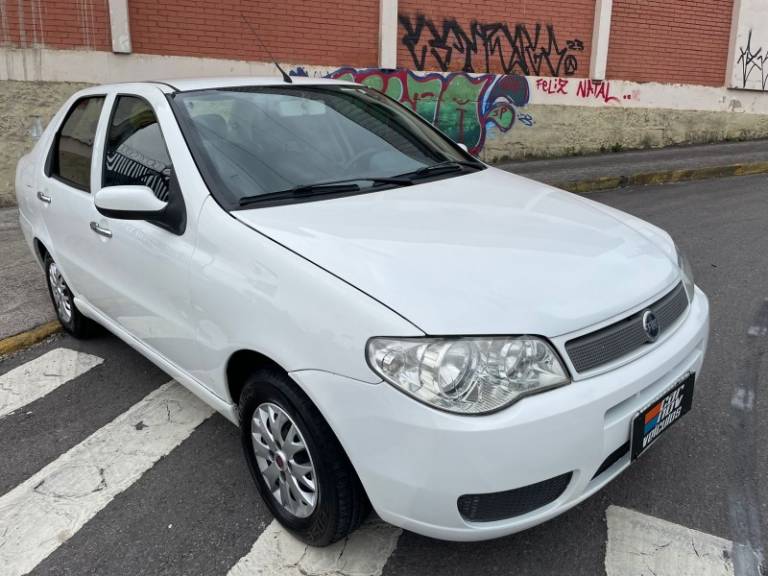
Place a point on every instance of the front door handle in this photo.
(106, 232)
(43, 197)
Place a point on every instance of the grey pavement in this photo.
(576, 168)
(24, 303)
(195, 512)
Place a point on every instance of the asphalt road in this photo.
(194, 511)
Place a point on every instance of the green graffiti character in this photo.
(461, 105)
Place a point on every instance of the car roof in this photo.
(188, 84)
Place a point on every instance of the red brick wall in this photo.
(682, 41)
(316, 32)
(56, 24)
(570, 19)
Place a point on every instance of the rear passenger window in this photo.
(136, 152)
(73, 148)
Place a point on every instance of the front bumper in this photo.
(415, 462)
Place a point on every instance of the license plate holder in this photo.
(651, 422)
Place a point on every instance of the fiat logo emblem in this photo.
(650, 325)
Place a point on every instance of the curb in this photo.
(24, 339)
(662, 177)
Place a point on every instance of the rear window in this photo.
(73, 146)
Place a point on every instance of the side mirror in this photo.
(129, 203)
(463, 147)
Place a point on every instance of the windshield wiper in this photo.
(321, 188)
(443, 167)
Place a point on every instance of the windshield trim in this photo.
(214, 183)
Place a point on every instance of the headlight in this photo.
(687, 271)
(467, 375)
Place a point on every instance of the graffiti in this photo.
(461, 105)
(552, 86)
(517, 50)
(525, 119)
(753, 61)
(597, 90)
(585, 89)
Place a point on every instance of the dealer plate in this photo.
(650, 423)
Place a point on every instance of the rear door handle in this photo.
(43, 197)
(106, 232)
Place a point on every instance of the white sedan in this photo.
(391, 322)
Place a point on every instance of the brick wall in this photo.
(681, 41)
(317, 32)
(55, 23)
(448, 24)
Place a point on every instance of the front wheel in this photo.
(64, 303)
(299, 467)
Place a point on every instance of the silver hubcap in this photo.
(284, 460)
(60, 292)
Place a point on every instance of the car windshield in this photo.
(263, 142)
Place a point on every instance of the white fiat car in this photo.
(391, 322)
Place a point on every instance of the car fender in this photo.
(251, 293)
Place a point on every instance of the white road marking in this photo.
(757, 331)
(43, 512)
(643, 545)
(277, 553)
(41, 376)
(743, 399)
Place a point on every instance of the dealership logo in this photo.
(660, 416)
(650, 325)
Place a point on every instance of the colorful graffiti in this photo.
(485, 46)
(461, 105)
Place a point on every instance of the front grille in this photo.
(625, 336)
(503, 505)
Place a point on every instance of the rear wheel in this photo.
(64, 303)
(299, 467)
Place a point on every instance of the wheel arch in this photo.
(41, 251)
(241, 365)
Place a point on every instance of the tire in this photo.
(271, 403)
(64, 303)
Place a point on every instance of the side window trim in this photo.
(53, 146)
(99, 144)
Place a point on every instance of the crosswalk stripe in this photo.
(43, 512)
(40, 376)
(277, 553)
(642, 545)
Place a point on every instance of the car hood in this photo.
(481, 253)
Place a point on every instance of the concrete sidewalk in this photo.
(25, 304)
(674, 164)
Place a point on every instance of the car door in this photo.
(65, 192)
(143, 266)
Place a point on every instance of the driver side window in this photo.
(135, 150)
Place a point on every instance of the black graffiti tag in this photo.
(520, 49)
(753, 61)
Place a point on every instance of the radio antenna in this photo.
(286, 77)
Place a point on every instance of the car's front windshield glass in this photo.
(265, 140)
